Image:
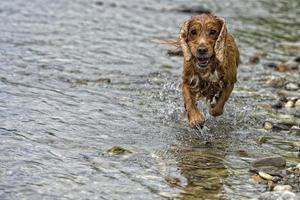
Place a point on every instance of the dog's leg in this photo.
(195, 117)
(217, 109)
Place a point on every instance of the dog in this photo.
(211, 59)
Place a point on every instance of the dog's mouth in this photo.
(203, 61)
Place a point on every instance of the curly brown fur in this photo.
(211, 58)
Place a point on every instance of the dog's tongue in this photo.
(202, 60)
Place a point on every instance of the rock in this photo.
(97, 81)
(298, 166)
(175, 52)
(278, 195)
(254, 59)
(292, 86)
(265, 176)
(260, 140)
(283, 68)
(172, 181)
(194, 9)
(295, 129)
(268, 125)
(116, 150)
(275, 82)
(281, 126)
(297, 59)
(297, 104)
(296, 144)
(275, 161)
(257, 179)
(283, 188)
(99, 3)
(271, 65)
(289, 104)
(277, 105)
(292, 64)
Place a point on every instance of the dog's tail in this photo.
(170, 42)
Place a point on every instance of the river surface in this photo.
(80, 77)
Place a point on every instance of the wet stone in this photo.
(289, 104)
(97, 81)
(282, 188)
(99, 3)
(297, 104)
(275, 82)
(268, 126)
(116, 150)
(265, 176)
(292, 86)
(277, 105)
(172, 181)
(175, 52)
(283, 195)
(283, 68)
(292, 64)
(260, 140)
(297, 59)
(281, 126)
(271, 65)
(254, 59)
(275, 161)
(257, 179)
(193, 9)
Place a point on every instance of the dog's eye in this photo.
(193, 32)
(212, 32)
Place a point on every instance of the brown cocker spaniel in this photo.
(211, 58)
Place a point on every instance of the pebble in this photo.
(277, 105)
(275, 161)
(172, 181)
(194, 9)
(295, 128)
(297, 104)
(292, 64)
(265, 176)
(268, 125)
(271, 65)
(254, 59)
(281, 126)
(275, 82)
(298, 166)
(99, 3)
(296, 144)
(257, 179)
(283, 68)
(260, 140)
(289, 104)
(292, 86)
(116, 150)
(283, 188)
(175, 52)
(285, 195)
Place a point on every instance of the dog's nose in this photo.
(202, 50)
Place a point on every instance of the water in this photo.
(59, 114)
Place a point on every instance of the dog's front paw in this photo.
(215, 111)
(196, 118)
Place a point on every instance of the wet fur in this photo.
(214, 83)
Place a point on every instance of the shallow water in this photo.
(60, 115)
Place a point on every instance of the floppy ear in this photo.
(220, 46)
(183, 41)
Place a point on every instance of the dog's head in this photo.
(202, 39)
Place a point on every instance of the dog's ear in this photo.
(183, 41)
(220, 46)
